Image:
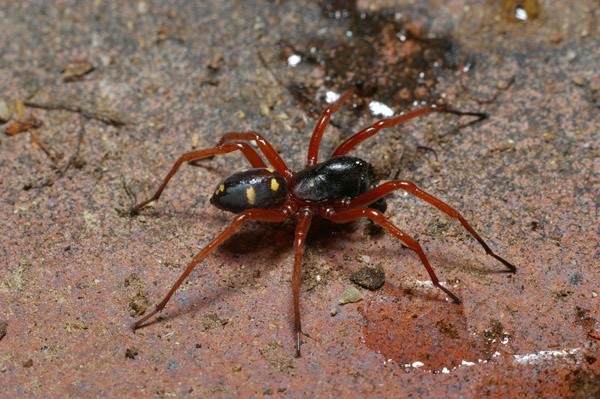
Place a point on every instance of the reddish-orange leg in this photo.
(376, 216)
(390, 186)
(266, 215)
(304, 218)
(265, 147)
(315, 139)
(350, 210)
(372, 130)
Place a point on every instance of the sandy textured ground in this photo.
(74, 271)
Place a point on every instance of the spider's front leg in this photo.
(317, 135)
(266, 215)
(352, 214)
(408, 186)
(304, 218)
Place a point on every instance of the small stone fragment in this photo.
(76, 70)
(578, 80)
(131, 353)
(371, 278)
(217, 61)
(212, 320)
(4, 112)
(351, 295)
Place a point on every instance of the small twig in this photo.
(109, 117)
(272, 75)
(505, 86)
(74, 160)
(425, 148)
(44, 148)
(130, 194)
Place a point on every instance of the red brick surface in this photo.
(71, 265)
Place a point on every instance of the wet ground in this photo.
(99, 99)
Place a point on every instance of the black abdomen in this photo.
(253, 188)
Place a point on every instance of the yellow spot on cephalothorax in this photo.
(274, 184)
(220, 189)
(251, 195)
(271, 170)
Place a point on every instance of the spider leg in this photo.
(248, 152)
(386, 188)
(268, 215)
(372, 130)
(304, 219)
(265, 147)
(377, 217)
(315, 140)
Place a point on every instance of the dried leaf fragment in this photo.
(76, 70)
(21, 125)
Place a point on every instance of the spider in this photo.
(341, 189)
